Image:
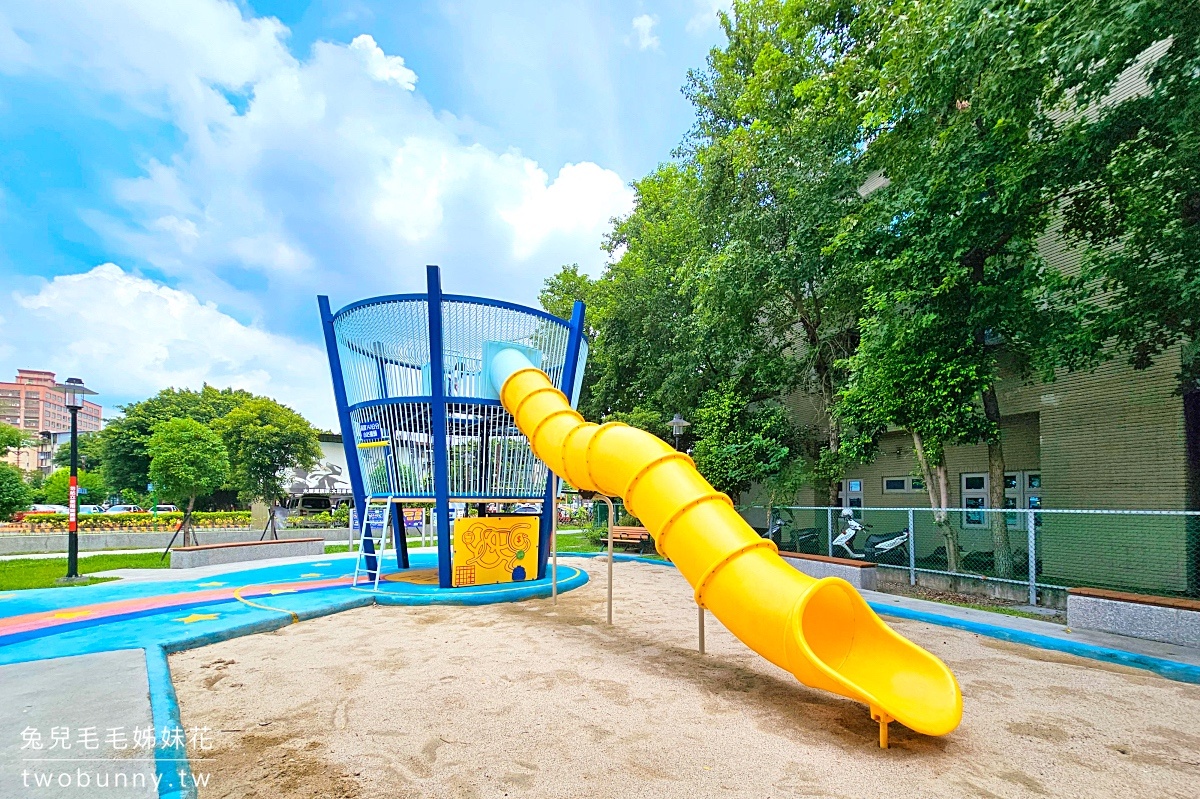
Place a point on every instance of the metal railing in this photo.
(1143, 551)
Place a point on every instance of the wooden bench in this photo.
(631, 537)
(859, 573)
(1172, 620)
(238, 551)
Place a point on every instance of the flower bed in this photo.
(57, 522)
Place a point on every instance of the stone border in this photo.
(1167, 619)
(860, 574)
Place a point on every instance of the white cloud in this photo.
(147, 336)
(643, 27)
(332, 174)
(704, 18)
(383, 67)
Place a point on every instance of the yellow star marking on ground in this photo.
(72, 614)
(198, 617)
(311, 574)
(275, 591)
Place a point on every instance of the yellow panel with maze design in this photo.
(495, 549)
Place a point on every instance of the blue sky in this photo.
(179, 180)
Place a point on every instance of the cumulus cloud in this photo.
(148, 336)
(643, 27)
(327, 172)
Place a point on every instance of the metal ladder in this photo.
(378, 545)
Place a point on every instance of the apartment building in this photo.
(32, 403)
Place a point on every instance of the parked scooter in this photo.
(796, 539)
(880, 547)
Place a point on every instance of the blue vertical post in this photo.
(349, 445)
(437, 419)
(570, 363)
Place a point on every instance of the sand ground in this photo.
(533, 700)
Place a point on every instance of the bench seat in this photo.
(238, 551)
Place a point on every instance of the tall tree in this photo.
(57, 487)
(14, 493)
(12, 438)
(780, 164)
(124, 440)
(91, 453)
(265, 440)
(187, 460)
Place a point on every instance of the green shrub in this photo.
(52, 522)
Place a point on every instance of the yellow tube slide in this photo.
(822, 631)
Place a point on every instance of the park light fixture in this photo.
(73, 392)
(677, 426)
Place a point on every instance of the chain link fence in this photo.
(1141, 551)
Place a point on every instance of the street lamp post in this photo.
(73, 393)
(677, 426)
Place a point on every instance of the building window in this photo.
(903, 485)
(1022, 491)
(974, 498)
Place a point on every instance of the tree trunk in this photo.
(937, 487)
(187, 521)
(1001, 547)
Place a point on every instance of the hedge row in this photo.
(53, 522)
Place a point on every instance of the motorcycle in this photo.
(879, 548)
(797, 539)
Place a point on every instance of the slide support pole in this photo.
(701, 609)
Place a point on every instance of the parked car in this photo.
(39, 510)
(308, 504)
(527, 509)
(164, 509)
(125, 509)
(90, 509)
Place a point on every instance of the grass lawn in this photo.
(43, 572)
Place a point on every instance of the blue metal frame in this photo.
(417, 399)
(511, 306)
(357, 489)
(437, 420)
(437, 401)
(384, 298)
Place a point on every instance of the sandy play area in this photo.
(531, 700)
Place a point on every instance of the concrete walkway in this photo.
(92, 704)
(911, 607)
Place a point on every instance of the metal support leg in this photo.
(701, 609)
(554, 543)
(609, 503)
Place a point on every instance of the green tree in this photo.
(563, 289)
(738, 444)
(124, 440)
(922, 373)
(781, 160)
(91, 452)
(12, 438)
(187, 460)
(265, 440)
(14, 494)
(649, 353)
(58, 486)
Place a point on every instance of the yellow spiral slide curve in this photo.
(822, 631)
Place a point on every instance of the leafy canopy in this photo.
(264, 440)
(58, 486)
(14, 494)
(187, 460)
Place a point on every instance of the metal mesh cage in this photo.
(384, 348)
